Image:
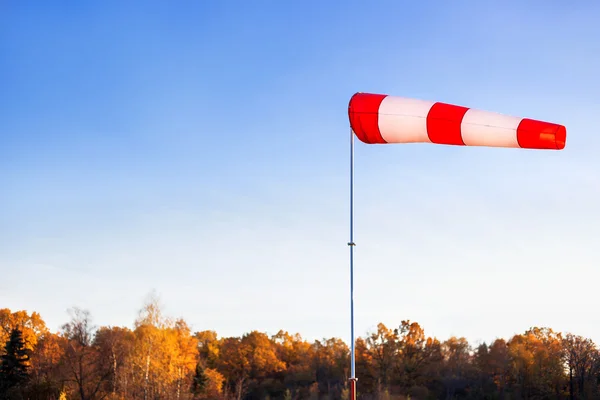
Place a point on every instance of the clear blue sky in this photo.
(200, 148)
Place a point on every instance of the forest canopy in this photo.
(162, 358)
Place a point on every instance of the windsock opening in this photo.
(363, 111)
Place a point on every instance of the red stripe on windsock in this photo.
(533, 134)
(443, 123)
(363, 111)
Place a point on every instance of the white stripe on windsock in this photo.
(409, 126)
(484, 128)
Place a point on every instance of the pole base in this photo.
(353, 388)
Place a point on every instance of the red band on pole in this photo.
(352, 389)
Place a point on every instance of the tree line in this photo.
(161, 358)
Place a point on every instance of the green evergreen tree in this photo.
(14, 364)
(200, 380)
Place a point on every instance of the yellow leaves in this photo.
(261, 353)
(208, 347)
(32, 327)
(536, 359)
(456, 349)
(214, 386)
(164, 354)
(182, 348)
(48, 353)
(432, 342)
(332, 351)
(158, 359)
(254, 356)
(412, 334)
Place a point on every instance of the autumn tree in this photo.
(537, 367)
(31, 326)
(331, 365)
(208, 347)
(583, 363)
(498, 364)
(234, 365)
(47, 378)
(150, 351)
(296, 354)
(164, 355)
(207, 382)
(116, 344)
(492, 364)
(365, 367)
(420, 359)
(86, 366)
(184, 348)
(458, 372)
(383, 347)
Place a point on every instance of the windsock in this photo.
(379, 119)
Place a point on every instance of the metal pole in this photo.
(351, 244)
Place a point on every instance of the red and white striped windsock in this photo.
(378, 118)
